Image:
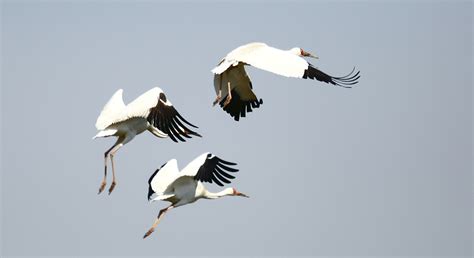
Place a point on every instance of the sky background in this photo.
(383, 169)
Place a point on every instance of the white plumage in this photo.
(180, 188)
(114, 109)
(262, 56)
(231, 80)
(151, 111)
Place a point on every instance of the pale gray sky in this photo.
(383, 169)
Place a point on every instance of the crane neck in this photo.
(211, 195)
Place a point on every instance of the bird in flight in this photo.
(151, 111)
(180, 188)
(232, 82)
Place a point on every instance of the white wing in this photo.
(152, 106)
(140, 107)
(157, 109)
(269, 59)
(209, 168)
(162, 178)
(281, 62)
(192, 168)
(231, 59)
(113, 111)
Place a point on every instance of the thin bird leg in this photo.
(157, 220)
(218, 98)
(229, 95)
(103, 183)
(112, 153)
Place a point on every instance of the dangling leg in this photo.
(218, 98)
(112, 152)
(157, 220)
(229, 95)
(106, 155)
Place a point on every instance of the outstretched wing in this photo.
(162, 178)
(211, 169)
(243, 97)
(161, 114)
(343, 81)
(113, 111)
(270, 59)
(281, 62)
(167, 119)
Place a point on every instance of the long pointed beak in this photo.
(243, 195)
(306, 54)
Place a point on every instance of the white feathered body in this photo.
(170, 184)
(118, 119)
(181, 187)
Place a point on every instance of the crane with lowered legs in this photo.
(185, 187)
(232, 81)
(151, 111)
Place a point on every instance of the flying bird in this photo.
(151, 111)
(232, 82)
(181, 188)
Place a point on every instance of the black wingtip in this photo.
(226, 162)
(343, 81)
(168, 120)
(348, 80)
(183, 130)
(194, 133)
(186, 121)
(238, 108)
(215, 170)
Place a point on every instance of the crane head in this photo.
(237, 193)
(300, 52)
(304, 53)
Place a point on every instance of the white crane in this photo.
(151, 111)
(231, 80)
(180, 188)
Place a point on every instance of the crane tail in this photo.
(105, 133)
(157, 197)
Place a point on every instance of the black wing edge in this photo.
(150, 191)
(344, 81)
(168, 120)
(238, 108)
(215, 170)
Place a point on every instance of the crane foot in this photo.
(102, 187)
(112, 186)
(218, 98)
(227, 100)
(148, 233)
